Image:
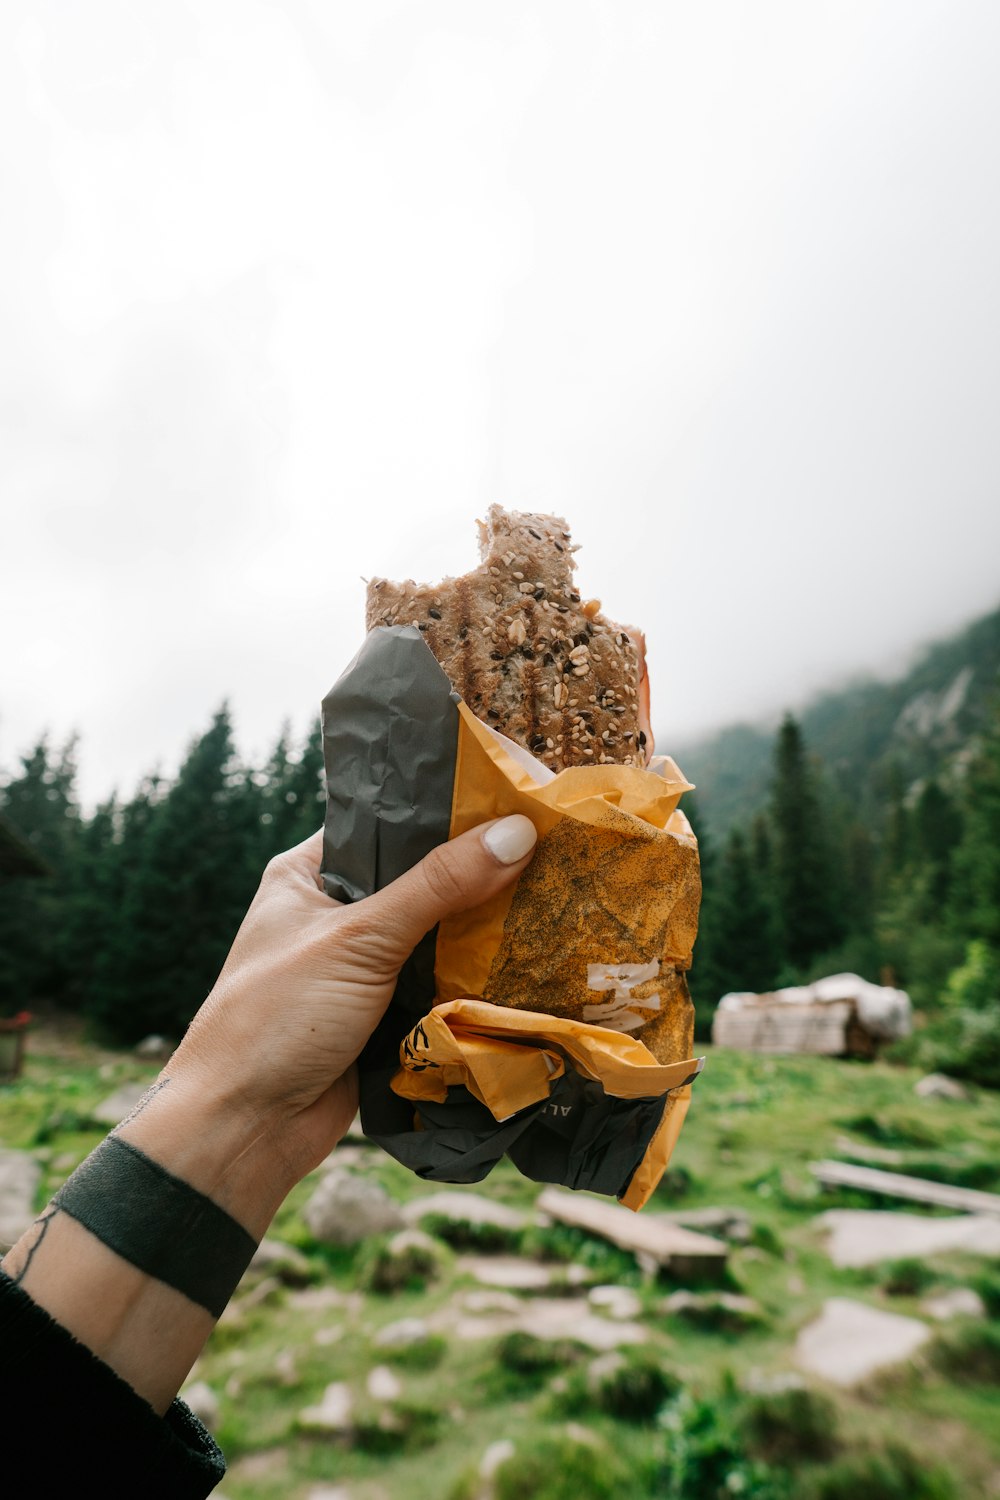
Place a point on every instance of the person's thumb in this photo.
(453, 877)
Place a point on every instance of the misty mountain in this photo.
(867, 735)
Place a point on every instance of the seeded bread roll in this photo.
(526, 653)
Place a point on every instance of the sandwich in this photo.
(529, 655)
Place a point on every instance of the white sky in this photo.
(289, 292)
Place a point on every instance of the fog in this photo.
(289, 293)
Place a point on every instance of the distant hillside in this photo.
(920, 724)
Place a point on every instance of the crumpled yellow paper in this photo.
(508, 1060)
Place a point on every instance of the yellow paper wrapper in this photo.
(483, 1049)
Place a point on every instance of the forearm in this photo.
(146, 1329)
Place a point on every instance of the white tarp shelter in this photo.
(841, 1015)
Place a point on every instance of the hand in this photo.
(308, 979)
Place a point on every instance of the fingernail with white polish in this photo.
(511, 838)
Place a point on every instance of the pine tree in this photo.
(804, 881)
(92, 901)
(308, 786)
(705, 979)
(859, 885)
(195, 872)
(40, 803)
(293, 793)
(914, 945)
(936, 829)
(747, 956)
(762, 857)
(896, 841)
(104, 991)
(273, 782)
(976, 862)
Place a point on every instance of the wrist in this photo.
(210, 1140)
(140, 1250)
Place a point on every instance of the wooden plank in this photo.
(646, 1235)
(896, 1185)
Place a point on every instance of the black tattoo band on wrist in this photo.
(158, 1223)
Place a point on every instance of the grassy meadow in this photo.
(698, 1410)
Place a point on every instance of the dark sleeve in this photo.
(66, 1416)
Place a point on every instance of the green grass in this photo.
(754, 1126)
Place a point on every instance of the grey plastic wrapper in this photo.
(390, 735)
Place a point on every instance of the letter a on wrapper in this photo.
(552, 1024)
